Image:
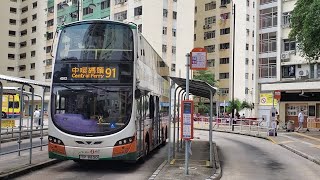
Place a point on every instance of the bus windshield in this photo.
(91, 110)
(99, 41)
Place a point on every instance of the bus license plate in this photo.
(89, 157)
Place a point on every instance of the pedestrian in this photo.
(300, 120)
(36, 117)
(243, 116)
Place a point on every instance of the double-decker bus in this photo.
(107, 87)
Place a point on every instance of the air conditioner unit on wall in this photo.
(303, 73)
(285, 56)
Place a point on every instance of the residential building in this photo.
(281, 68)
(23, 40)
(214, 31)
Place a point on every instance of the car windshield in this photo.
(91, 110)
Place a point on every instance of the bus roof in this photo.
(131, 24)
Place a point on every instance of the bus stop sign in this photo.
(187, 120)
(198, 59)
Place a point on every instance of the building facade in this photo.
(280, 68)
(214, 30)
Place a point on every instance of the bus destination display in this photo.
(95, 72)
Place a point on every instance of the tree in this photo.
(238, 105)
(305, 24)
(205, 76)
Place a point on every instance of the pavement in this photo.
(199, 164)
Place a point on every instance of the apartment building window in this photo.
(195, 23)
(34, 17)
(252, 62)
(140, 28)
(12, 33)
(223, 75)
(248, 3)
(11, 56)
(247, 61)
(253, 4)
(34, 5)
(224, 60)
(12, 45)
(24, 9)
(268, 18)
(267, 1)
(105, 4)
(87, 10)
(34, 29)
(247, 47)
(12, 21)
(224, 31)
(23, 33)
(120, 2)
(120, 16)
(50, 23)
(209, 35)
(164, 48)
(49, 35)
(211, 62)
(23, 56)
(289, 45)
(195, 9)
(24, 21)
(224, 91)
(174, 15)
(252, 47)
(164, 30)
(246, 90)
(224, 46)
(268, 42)
(247, 76)
(194, 37)
(286, 19)
(210, 49)
(138, 11)
(248, 32)
(248, 17)
(48, 49)
(209, 20)
(288, 71)
(174, 50)
(175, 0)
(48, 62)
(210, 6)
(33, 53)
(268, 67)
(252, 77)
(22, 67)
(253, 33)
(48, 75)
(13, 0)
(174, 32)
(13, 10)
(32, 65)
(23, 44)
(10, 68)
(225, 2)
(225, 16)
(173, 67)
(165, 13)
(32, 77)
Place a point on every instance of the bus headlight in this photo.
(124, 141)
(55, 140)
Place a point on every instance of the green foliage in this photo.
(305, 24)
(238, 105)
(203, 108)
(205, 76)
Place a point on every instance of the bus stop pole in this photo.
(1, 93)
(187, 98)
(210, 128)
(178, 148)
(32, 107)
(42, 114)
(20, 119)
(169, 129)
(174, 123)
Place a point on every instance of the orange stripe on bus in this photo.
(124, 149)
(56, 148)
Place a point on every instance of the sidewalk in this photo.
(12, 165)
(305, 144)
(198, 164)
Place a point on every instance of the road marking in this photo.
(285, 142)
(298, 140)
(316, 146)
(272, 140)
(310, 137)
(172, 161)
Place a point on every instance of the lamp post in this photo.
(79, 5)
(233, 60)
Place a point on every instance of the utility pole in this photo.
(233, 61)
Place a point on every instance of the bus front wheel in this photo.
(4, 115)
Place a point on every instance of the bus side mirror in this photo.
(137, 93)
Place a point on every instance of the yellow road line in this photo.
(273, 141)
(285, 142)
(310, 137)
(207, 163)
(172, 161)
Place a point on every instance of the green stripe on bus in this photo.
(130, 156)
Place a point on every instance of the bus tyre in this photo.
(4, 115)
